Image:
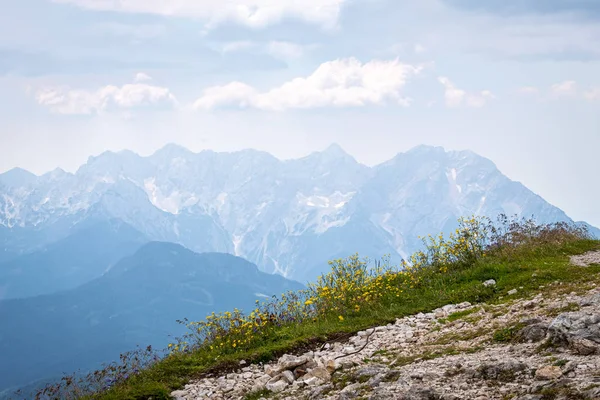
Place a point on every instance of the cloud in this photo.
(142, 77)
(84, 102)
(252, 13)
(338, 83)
(456, 97)
(564, 89)
(419, 48)
(592, 94)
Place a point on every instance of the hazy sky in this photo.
(514, 80)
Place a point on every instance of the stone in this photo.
(317, 392)
(288, 376)
(370, 371)
(271, 370)
(578, 330)
(276, 386)
(503, 371)
(312, 381)
(583, 346)
(179, 394)
(532, 333)
(332, 366)
(511, 292)
(290, 362)
(420, 393)
(548, 373)
(489, 282)
(319, 372)
(299, 371)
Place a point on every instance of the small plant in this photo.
(258, 394)
(506, 335)
(561, 363)
(77, 386)
(460, 314)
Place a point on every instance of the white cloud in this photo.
(78, 101)
(419, 48)
(236, 94)
(142, 77)
(456, 97)
(564, 89)
(592, 94)
(253, 13)
(339, 83)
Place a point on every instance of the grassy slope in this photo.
(529, 269)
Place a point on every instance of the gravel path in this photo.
(584, 260)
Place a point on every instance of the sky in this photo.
(513, 80)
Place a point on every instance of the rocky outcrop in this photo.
(523, 349)
(578, 330)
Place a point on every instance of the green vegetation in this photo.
(568, 308)
(352, 297)
(258, 395)
(460, 314)
(506, 335)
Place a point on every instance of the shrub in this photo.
(79, 385)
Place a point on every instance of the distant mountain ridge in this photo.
(136, 302)
(288, 217)
(87, 253)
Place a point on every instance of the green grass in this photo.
(529, 268)
(460, 314)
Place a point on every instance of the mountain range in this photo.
(288, 217)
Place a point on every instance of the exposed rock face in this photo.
(423, 357)
(579, 330)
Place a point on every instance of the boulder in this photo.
(548, 373)
(578, 330)
(532, 333)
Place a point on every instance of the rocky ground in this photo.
(544, 347)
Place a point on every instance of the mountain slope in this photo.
(288, 217)
(70, 262)
(135, 303)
